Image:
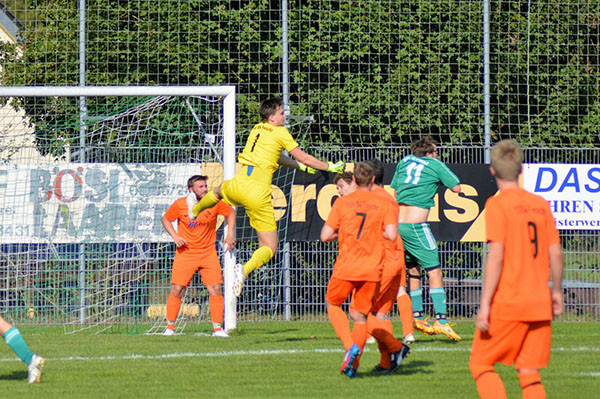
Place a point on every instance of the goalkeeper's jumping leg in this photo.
(208, 201)
(268, 246)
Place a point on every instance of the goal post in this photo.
(129, 127)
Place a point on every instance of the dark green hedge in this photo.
(372, 73)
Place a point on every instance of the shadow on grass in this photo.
(447, 340)
(410, 368)
(258, 331)
(296, 339)
(287, 330)
(15, 375)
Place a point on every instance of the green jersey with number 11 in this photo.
(416, 180)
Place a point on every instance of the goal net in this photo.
(86, 175)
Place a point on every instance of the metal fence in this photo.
(291, 287)
(371, 75)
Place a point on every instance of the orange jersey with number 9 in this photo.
(523, 223)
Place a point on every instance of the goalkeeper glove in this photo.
(337, 167)
(307, 169)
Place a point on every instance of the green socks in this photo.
(416, 297)
(438, 296)
(15, 341)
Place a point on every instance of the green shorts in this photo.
(420, 246)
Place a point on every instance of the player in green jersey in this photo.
(416, 182)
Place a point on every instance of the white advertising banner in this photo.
(573, 191)
(89, 202)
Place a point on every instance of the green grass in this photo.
(276, 360)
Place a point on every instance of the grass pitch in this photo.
(276, 360)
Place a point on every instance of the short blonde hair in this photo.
(507, 158)
(363, 173)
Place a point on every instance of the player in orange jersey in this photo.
(360, 221)
(517, 303)
(195, 240)
(379, 324)
(344, 183)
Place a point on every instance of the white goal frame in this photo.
(229, 114)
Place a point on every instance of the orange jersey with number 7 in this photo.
(360, 219)
(523, 223)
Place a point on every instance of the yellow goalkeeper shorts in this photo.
(255, 197)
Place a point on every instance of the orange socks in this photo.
(489, 383)
(173, 305)
(383, 332)
(406, 314)
(215, 307)
(341, 325)
(531, 384)
(359, 334)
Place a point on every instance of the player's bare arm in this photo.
(328, 234)
(177, 239)
(308, 160)
(312, 162)
(390, 232)
(291, 163)
(491, 277)
(556, 271)
(288, 162)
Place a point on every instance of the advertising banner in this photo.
(88, 202)
(454, 217)
(573, 191)
(125, 202)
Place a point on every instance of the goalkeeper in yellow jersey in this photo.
(251, 186)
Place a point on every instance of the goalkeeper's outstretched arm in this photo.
(310, 161)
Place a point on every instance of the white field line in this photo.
(272, 352)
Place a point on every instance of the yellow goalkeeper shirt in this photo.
(264, 146)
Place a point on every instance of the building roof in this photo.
(9, 23)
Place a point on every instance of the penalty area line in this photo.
(270, 352)
(137, 356)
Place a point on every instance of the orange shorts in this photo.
(185, 265)
(387, 294)
(362, 298)
(524, 344)
(393, 276)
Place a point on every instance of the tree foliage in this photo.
(372, 73)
